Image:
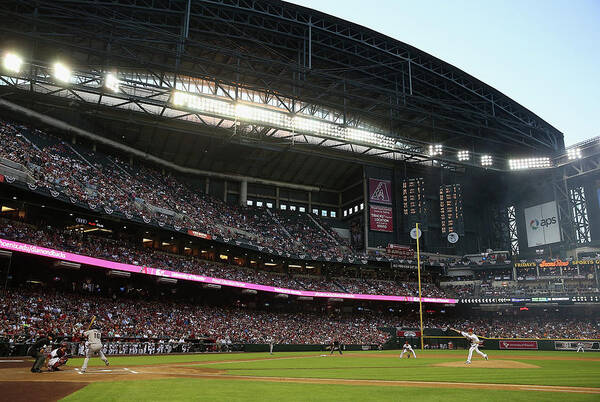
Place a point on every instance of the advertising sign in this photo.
(542, 226)
(407, 333)
(199, 234)
(573, 345)
(530, 345)
(380, 191)
(381, 218)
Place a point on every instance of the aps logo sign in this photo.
(545, 222)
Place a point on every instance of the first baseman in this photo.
(475, 342)
(407, 349)
(94, 346)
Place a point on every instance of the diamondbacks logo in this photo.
(380, 191)
(534, 224)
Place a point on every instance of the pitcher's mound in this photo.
(508, 364)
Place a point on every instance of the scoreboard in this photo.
(451, 209)
(413, 198)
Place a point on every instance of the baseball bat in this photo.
(91, 322)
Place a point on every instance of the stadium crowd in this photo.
(123, 250)
(28, 312)
(33, 312)
(108, 182)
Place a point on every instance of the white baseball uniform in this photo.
(55, 357)
(94, 346)
(580, 347)
(474, 345)
(408, 349)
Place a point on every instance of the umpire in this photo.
(37, 352)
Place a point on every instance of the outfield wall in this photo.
(457, 342)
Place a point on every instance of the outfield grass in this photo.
(353, 365)
(222, 390)
(389, 367)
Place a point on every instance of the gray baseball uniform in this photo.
(94, 346)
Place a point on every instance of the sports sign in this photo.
(199, 234)
(381, 218)
(521, 345)
(414, 233)
(380, 191)
(407, 333)
(542, 226)
(573, 345)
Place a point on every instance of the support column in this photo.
(366, 210)
(225, 192)
(277, 198)
(207, 185)
(339, 209)
(244, 192)
(310, 202)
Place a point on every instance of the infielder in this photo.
(475, 342)
(93, 346)
(580, 347)
(407, 349)
(58, 357)
(271, 343)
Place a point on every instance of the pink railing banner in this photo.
(97, 262)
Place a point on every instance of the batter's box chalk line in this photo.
(107, 371)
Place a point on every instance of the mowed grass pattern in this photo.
(183, 389)
(352, 365)
(387, 366)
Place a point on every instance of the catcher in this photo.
(58, 357)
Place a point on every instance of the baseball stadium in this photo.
(253, 200)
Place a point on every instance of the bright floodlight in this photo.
(262, 115)
(62, 72)
(111, 82)
(529, 163)
(574, 153)
(203, 104)
(435, 150)
(12, 62)
(486, 160)
(463, 156)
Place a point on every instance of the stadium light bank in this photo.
(12, 63)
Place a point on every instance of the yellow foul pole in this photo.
(419, 274)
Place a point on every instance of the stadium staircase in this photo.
(322, 228)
